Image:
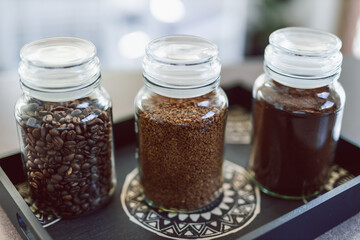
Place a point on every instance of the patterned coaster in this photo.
(338, 176)
(45, 216)
(238, 126)
(239, 207)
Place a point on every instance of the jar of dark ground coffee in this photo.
(65, 126)
(297, 113)
(180, 123)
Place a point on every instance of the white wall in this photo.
(320, 14)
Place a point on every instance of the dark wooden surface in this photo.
(111, 222)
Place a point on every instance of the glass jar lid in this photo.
(303, 57)
(59, 64)
(181, 65)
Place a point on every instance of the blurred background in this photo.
(121, 28)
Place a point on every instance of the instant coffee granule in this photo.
(181, 145)
(67, 154)
(294, 138)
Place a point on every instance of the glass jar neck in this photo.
(301, 82)
(174, 92)
(60, 95)
(59, 69)
(181, 66)
(303, 57)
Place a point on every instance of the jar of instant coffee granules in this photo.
(65, 126)
(297, 112)
(180, 122)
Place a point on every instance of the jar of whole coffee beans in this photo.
(65, 126)
(180, 123)
(297, 113)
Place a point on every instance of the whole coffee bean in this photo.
(94, 169)
(50, 187)
(63, 134)
(48, 118)
(92, 142)
(80, 137)
(75, 167)
(85, 166)
(57, 177)
(69, 157)
(46, 173)
(48, 137)
(93, 121)
(75, 189)
(94, 128)
(37, 161)
(62, 169)
(76, 112)
(70, 143)
(31, 139)
(85, 196)
(67, 197)
(94, 177)
(92, 160)
(31, 122)
(38, 175)
(40, 143)
(34, 185)
(71, 135)
(54, 132)
(29, 147)
(77, 200)
(58, 159)
(58, 142)
(73, 185)
(43, 132)
(31, 107)
(57, 116)
(94, 150)
(95, 137)
(68, 118)
(85, 206)
(51, 152)
(79, 157)
(59, 108)
(39, 149)
(100, 144)
(78, 129)
(81, 144)
(36, 133)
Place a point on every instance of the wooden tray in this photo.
(278, 218)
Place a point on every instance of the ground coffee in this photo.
(294, 138)
(181, 145)
(67, 154)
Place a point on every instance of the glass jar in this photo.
(297, 112)
(64, 122)
(180, 123)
